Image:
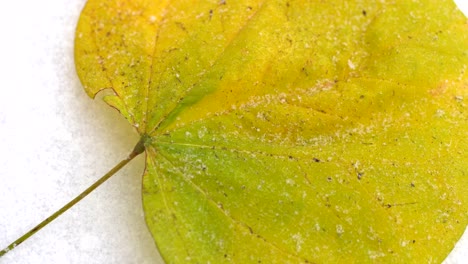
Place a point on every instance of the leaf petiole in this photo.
(137, 150)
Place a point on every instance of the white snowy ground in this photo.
(55, 142)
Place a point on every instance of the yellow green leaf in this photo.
(291, 131)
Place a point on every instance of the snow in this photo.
(55, 142)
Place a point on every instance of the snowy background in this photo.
(55, 142)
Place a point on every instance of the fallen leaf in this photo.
(290, 131)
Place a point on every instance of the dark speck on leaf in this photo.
(364, 12)
(359, 175)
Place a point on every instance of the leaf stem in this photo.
(139, 148)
